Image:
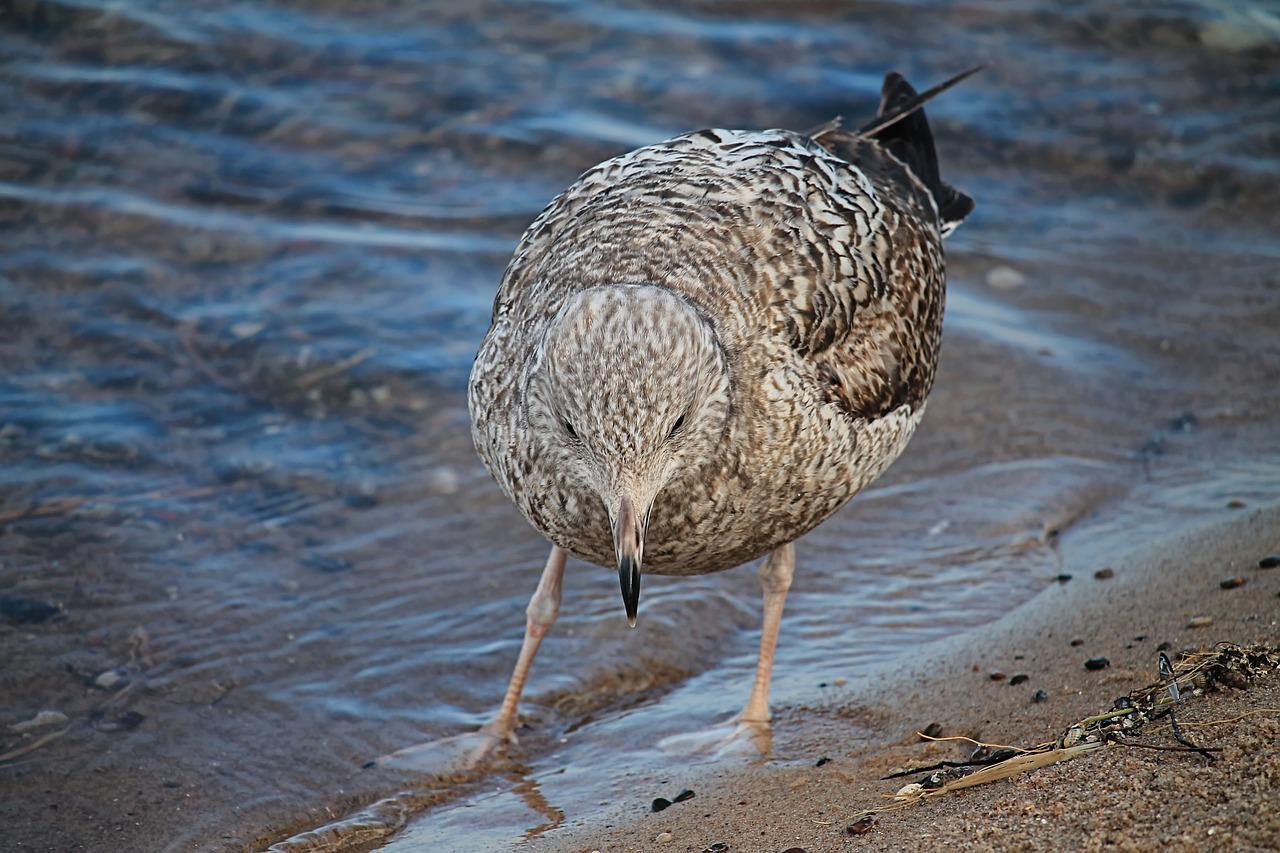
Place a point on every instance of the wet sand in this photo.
(1117, 798)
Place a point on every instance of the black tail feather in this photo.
(901, 127)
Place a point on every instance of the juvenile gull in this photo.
(705, 347)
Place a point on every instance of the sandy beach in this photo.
(1120, 798)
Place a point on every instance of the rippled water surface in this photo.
(247, 251)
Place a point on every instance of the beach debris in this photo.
(664, 838)
(1226, 664)
(40, 720)
(20, 751)
(860, 825)
(1200, 622)
(1232, 583)
(1095, 664)
(716, 847)
(1039, 696)
(1104, 574)
(662, 803)
(1020, 678)
(1169, 676)
(1269, 562)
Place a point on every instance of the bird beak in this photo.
(628, 544)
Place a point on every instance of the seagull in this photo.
(703, 348)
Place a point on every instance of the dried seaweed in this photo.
(1226, 665)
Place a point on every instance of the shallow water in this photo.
(249, 250)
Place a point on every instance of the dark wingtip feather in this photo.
(902, 128)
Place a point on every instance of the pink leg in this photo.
(775, 579)
(540, 616)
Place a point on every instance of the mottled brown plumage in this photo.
(704, 347)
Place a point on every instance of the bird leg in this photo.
(540, 616)
(775, 579)
(749, 731)
(466, 751)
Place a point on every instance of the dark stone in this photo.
(26, 611)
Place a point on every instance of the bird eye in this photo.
(676, 427)
(568, 427)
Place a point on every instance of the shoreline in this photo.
(1155, 592)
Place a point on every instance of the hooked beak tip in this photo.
(628, 537)
(629, 577)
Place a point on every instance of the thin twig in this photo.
(325, 372)
(35, 744)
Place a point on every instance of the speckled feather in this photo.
(746, 324)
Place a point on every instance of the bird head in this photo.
(631, 392)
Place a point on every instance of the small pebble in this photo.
(661, 804)
(1139, 638)
(1077, 642)
(443, 480)
(1232, 583)
(933, 730)
(821, 761)
(1063, 578)
(1103, 574)
(246, 330)
(1039, 696)
(1005, 278)
(795, 850)
(686, 794)
(664, 838)
(111, 679)
(861, 826)
(1097, 663)
(1269, 562)
(1235, 504)
(996, 675)
(44, 718)
(1200, 622)
(1164, 647)
(1020, 678)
